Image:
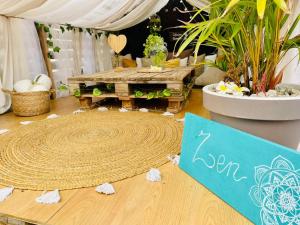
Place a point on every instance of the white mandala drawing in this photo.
(277, 192)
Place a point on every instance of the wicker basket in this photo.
(30, 103)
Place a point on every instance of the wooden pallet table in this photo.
(178, 80)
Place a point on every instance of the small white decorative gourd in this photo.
(23, 86)
(44, 80)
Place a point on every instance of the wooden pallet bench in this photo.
(178, 80)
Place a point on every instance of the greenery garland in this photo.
(63, 28)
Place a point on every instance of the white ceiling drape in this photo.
(199, 3)
(16, 7)
(110, 15)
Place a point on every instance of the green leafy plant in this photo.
(250, 37)
(138, 94)
(50, 43)
(151, 95)
(97, 92)
(110, 87)
(77, 93)
(154, 24)
(62, 86)
(158, 94)
(167, 92)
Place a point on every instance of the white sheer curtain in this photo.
(6, 82)
(79, 52)
(20, 55)
(88, 54)
(103, 54)
(63, 62)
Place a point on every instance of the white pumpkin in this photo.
(44, 80)
(39, 87)
(23, 86)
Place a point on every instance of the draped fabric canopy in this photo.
(110, 15)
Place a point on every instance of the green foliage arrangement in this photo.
(252, 37)
(153, 42)
(155, 49)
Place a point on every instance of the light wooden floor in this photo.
(177, 200)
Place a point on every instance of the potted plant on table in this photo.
(155, 46)
(252, 36)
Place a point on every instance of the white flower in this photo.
(239, 91)
(223, 88)
(231, 88)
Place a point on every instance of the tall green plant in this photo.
(248, 34)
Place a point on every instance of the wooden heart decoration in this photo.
(117, 43)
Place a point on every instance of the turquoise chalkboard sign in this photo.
(258, 178)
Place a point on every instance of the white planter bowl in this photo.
(274, 118)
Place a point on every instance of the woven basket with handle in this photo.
(30, 103)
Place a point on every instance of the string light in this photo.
(185, 8)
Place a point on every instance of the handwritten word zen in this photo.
(219, 163)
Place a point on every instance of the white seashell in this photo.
(123, 110)
(144, 110)
(102, 109)
(5, 192)
(23, 86)
(26, 122)
(3, 131)
(180, 120)
(168, 114)
(52, 116)
(105, 188)
(175, 159)
(78, 111)
(153, 175)
(50, 197)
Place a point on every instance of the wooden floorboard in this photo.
(177, 200)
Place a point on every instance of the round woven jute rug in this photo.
(86, 150)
